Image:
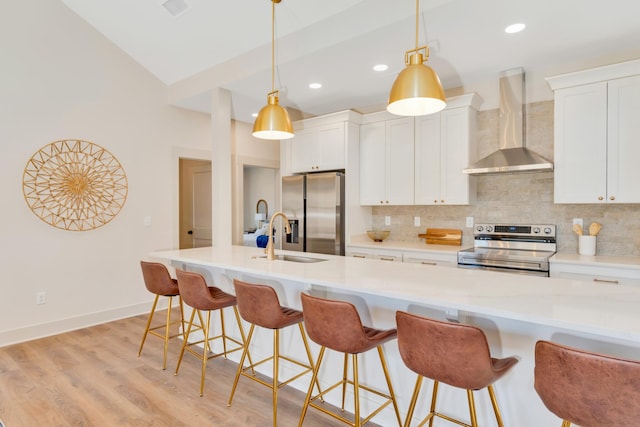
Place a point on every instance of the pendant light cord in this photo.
(273, 44)
(417, 20)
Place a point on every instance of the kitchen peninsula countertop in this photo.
(606, 311)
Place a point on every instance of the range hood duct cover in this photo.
(512, 156)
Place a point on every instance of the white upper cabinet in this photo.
(597, 135)
(419, 161)
(386, 160)
(445, 144)
(319, 148)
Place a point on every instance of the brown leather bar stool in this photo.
(451, 353)
(198, 295)
(587, 389)
(336, 325)
(159, 282)
(259, 305)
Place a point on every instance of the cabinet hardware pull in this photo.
(612, 198)
(600, 198)
(359, 256)
(428, 263)
(613, 282)
(386, 259)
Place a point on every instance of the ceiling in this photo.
(337, 42)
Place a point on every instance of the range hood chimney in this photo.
(512, 156)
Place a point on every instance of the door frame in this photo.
(239, 163)
(185, 153)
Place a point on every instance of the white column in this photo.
(221, 199)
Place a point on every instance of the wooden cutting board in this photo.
(442, 236)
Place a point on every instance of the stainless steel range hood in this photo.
(512, 156)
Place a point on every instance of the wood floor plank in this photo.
(93, 377)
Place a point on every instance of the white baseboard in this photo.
(55, 327)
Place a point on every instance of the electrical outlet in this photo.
(387, 220)
(577, 221)
(416, 221)
(469, 222)
(147, 221)
(41, 297)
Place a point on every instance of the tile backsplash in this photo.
(521, 198)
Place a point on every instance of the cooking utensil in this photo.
(594, 228)
(577, 229)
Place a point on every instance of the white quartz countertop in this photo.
(608, 311)
(398, 245)
(627, 262)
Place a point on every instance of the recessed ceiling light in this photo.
(315, 85)
(380, 67)
(176, 7)
(514, 28)
(254, 114)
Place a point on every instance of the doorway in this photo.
(195, 195)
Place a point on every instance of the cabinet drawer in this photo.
(601, 279)
(388, 257)
(358, 254)
(429, 261)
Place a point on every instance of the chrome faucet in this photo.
(269, 249)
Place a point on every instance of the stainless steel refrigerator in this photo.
(314, 205)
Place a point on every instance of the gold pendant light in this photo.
(273, 120)
(417, 90)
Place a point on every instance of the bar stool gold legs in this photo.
(207, 352)
(336, 325)
(259, 305)
(275, 383)
(433, 413)
(158, 281)
(166, 327)
(357, 386)
(201, 297)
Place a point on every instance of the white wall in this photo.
(61, 79)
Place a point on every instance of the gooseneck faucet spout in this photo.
(270, 246)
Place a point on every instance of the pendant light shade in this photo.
(417, 90)
(273, 120)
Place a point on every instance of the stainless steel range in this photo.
(522, 249)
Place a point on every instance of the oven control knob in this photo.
(479, 228)
(536, 230)
(489, 229)
(547, 230)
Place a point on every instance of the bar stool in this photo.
(336, 325)
(451, 353)
(259, 305)
(585, 388)
(159, 282)
(198, 295)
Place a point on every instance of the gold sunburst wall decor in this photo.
(74, 185)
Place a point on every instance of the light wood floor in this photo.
(93, 377)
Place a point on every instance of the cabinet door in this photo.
(400, 161)
(372, 163)
(456, 146)
(623, 149)
(427, 161)
(580, 144)
(318, 149)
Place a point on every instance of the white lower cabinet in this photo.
(431, 258)
(605, 275)
(415, 257)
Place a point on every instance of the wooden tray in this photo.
(442, 236)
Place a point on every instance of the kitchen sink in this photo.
(295, 258)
